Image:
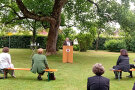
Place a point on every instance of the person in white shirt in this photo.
(5, 62)
(67, 42)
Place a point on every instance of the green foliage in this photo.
(68, 32)
(15, 41)
(115, 45)
(100, 43)
(76, 47)
(42, 41)
(128, 40)
(60, 42)
(85, 41)
(132, 44)
(41, 7)
(23, 41)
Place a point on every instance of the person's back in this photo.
(39, 58)
(5, 62)
(4, 59)
(124, 60)
(123, 63)
(98, 83)
(39, 63)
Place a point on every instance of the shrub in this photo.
(60, 42)
(85, 41)
(101, 42)
(115, 45)
(76, 47)
(132, 44)
(42, 40)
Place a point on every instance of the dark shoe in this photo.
(14, 76)
(39, 78)
(5, 76)
(117, 77)
(129, 76)
(120, 77)
(1, 77)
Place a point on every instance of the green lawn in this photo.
(69, 76)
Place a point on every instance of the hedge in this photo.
(115, 45)
(15, 41)
(102, 41)
(24, 41)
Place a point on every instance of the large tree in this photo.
(48, 12)
(53, 19)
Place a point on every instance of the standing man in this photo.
(67, 42)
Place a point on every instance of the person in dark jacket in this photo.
(133, 87)
(67, 42)
(131, 66)
(122, 63)
(98, 82)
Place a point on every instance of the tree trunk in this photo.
(34, 33)
(52, 40)
(54, 26)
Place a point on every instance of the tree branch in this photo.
(11, 21)
(11, 9)
(31, 15)
(94, 4)
(44, 26)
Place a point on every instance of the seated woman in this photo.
(98, 82)
(122, 63)
(39, 63)
(5, 62)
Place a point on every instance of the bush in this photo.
(132, 44)
(76, 47)
(85, 41)
(42, 40)
(60, 42)
(115, 45)
(100, 43)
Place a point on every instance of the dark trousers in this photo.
(42, 73)
(116, 74)
(131, 66)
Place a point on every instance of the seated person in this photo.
(122, 63)
(131, 66)
(5, 62)
(98, 82)
(39, 63)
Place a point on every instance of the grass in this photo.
(69, 76)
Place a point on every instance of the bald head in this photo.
(67, 39)
(40, 51)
